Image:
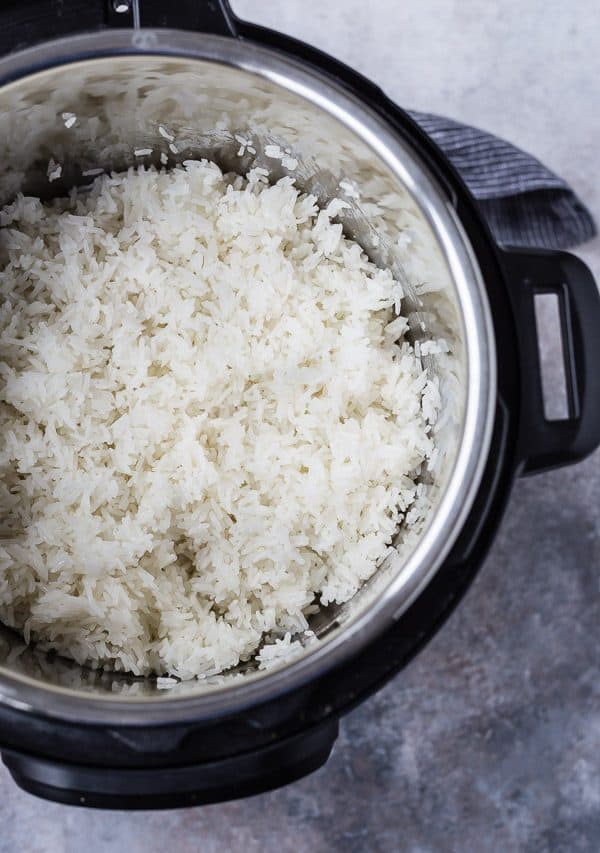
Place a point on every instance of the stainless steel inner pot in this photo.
(187, 96)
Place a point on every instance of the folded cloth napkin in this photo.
(524, 203)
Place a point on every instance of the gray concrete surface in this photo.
(490, 740)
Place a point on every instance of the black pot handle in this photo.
(24, 23)
(206, 16)
(544, 443)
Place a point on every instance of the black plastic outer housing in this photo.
(271, 744)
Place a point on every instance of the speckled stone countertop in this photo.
(490, 741)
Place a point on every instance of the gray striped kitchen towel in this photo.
(524, 203)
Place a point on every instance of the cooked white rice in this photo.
(208, 418)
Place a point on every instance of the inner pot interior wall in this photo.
(179, 109)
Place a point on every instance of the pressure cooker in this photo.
(128, 69)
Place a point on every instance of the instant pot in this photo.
(188, 79)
